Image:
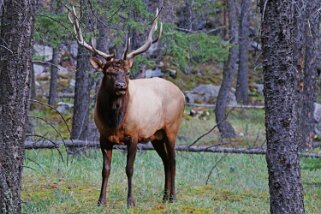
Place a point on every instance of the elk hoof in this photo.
(131, 202)
(101, 203)
(165, 198)
(172, 199)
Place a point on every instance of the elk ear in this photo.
(96, 63)
(129, 63)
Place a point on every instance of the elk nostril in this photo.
(121, 85)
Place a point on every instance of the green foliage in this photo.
(311, 164)
(51, 28)
(184, 49)
(194, 48)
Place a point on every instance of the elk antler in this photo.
(73, 18)
(148, 42)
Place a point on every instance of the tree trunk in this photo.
(186, 18)
(312, 57)
(102, 44)
(15, 68)
(32, 84)
(82, 88)
(242, 94)
(224, 126)
(54, 76)
(281, 95)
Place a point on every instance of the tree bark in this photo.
(224, 126)
(54, 76)
(281, 95)
(82, 88)
(15, 68)
(242, 86)
(186, 18)
(312, 58)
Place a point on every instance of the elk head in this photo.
(116, 71)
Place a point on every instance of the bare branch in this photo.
(74, 19)
(54, 109)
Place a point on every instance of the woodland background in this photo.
(215, 51)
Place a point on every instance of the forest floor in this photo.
(206, 182)
(237, 184)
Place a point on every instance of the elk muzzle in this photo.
(120, 88)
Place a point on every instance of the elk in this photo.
(134, 111)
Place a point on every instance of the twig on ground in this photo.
(211, 171)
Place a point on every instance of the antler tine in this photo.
(160, 33)
(75, 21)
(126, 48)
(149, 40)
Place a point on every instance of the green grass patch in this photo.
(238, 184)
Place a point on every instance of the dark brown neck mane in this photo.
(110, 107)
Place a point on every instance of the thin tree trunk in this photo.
(242, 87)
(15, 68)
(187, 15)
(102, 44)
(224, 126)
(54, 76)
(32, 85)
(82, 89)
(56, 8)
(312, 58)
(281, 95)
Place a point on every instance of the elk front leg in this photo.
(106, 148)
(131, 149)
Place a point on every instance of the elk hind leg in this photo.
(170, 148)
(160, 148)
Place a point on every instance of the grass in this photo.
(248, 125)
(238, 184)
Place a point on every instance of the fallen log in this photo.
(229, 106)
(148, 146)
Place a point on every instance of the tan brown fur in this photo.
(154, 104)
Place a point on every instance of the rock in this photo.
(152, 50)
(160, 64)
(259, 88)
(43, 76)
(149, 73)
(74, 49)
(201, 112)
(317, 112)
(64, 107)
(38, 69)
(43, 51)
(172, 73)
(256, 46)
(63, 72)
(317, 118)
(207, 94)
(72, 82)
